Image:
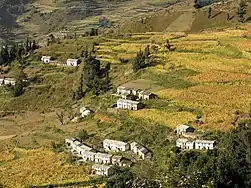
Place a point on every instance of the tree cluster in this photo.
(92, 78)
(241, 11)
(229, 166)
(15, 51)
(142, 59)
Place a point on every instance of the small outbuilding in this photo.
(73, 62)
(46, 59)
(85, 111)
(180, 129)
(103, 170)
(140, 150)
(145, 95)
(69, 141)
(124, 90)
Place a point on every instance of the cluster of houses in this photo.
(190, 142)
(69, 62)
(130, 98)
(7, 80)
(104, 162)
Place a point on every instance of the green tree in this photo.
(83, 135)
(139, 62)
(241, 11)
(18, 88)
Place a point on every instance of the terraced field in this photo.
(206, 75)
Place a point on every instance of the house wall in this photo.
(204, 146)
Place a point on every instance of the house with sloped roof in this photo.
(205, 144)
(103, 158)
(88, 156)
(124, 90)
(129, 104)
(46, 59)
(116, 159)
(103, 170)
(69, 141)
(115, 145)
(140, 150)
(184, 143)
(73, 62)
(146, 95)
(6, 79)
(180, 129)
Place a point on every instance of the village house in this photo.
(73, 62)
(140, 150)
(145, 95)
(85, 111)
(103, 158)
(205, 144)
(75, 145)
(123, 90)
(114, 145)
(129, 104)
(88, 156)
(82, 148)
(46, 59)
(69, 141)
(117, 159)
(180, 129)
(103, 170)
(7, 80)
(136, 92)
(184, 143)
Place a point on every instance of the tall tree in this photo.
(241, 11)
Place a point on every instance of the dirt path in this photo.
(182, 23)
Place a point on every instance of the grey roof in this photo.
(71, 139)
(140, 147)
(205, 141)
(76, 142)
(85, 147)
(146, 93)
(182, 140)
(117, 157)
(102, 155)
(115, 142)
(101, 166)
(182, 126)
(128, 101)
(89, 153)
(72, 59)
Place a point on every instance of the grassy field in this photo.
(207, 75)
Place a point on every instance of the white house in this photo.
(6, 80)
(140, 150)
(81, 148)
(184, 143)
(114, 145)
(73, 62)
(69, 141)
(124, 90)
(103, 158)
(103, 170)
(117, 159)
(85, 111)
(180, 129)
(205, 144)
(146, 95)
(129, 104)
(88, 156)
(46, 59)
